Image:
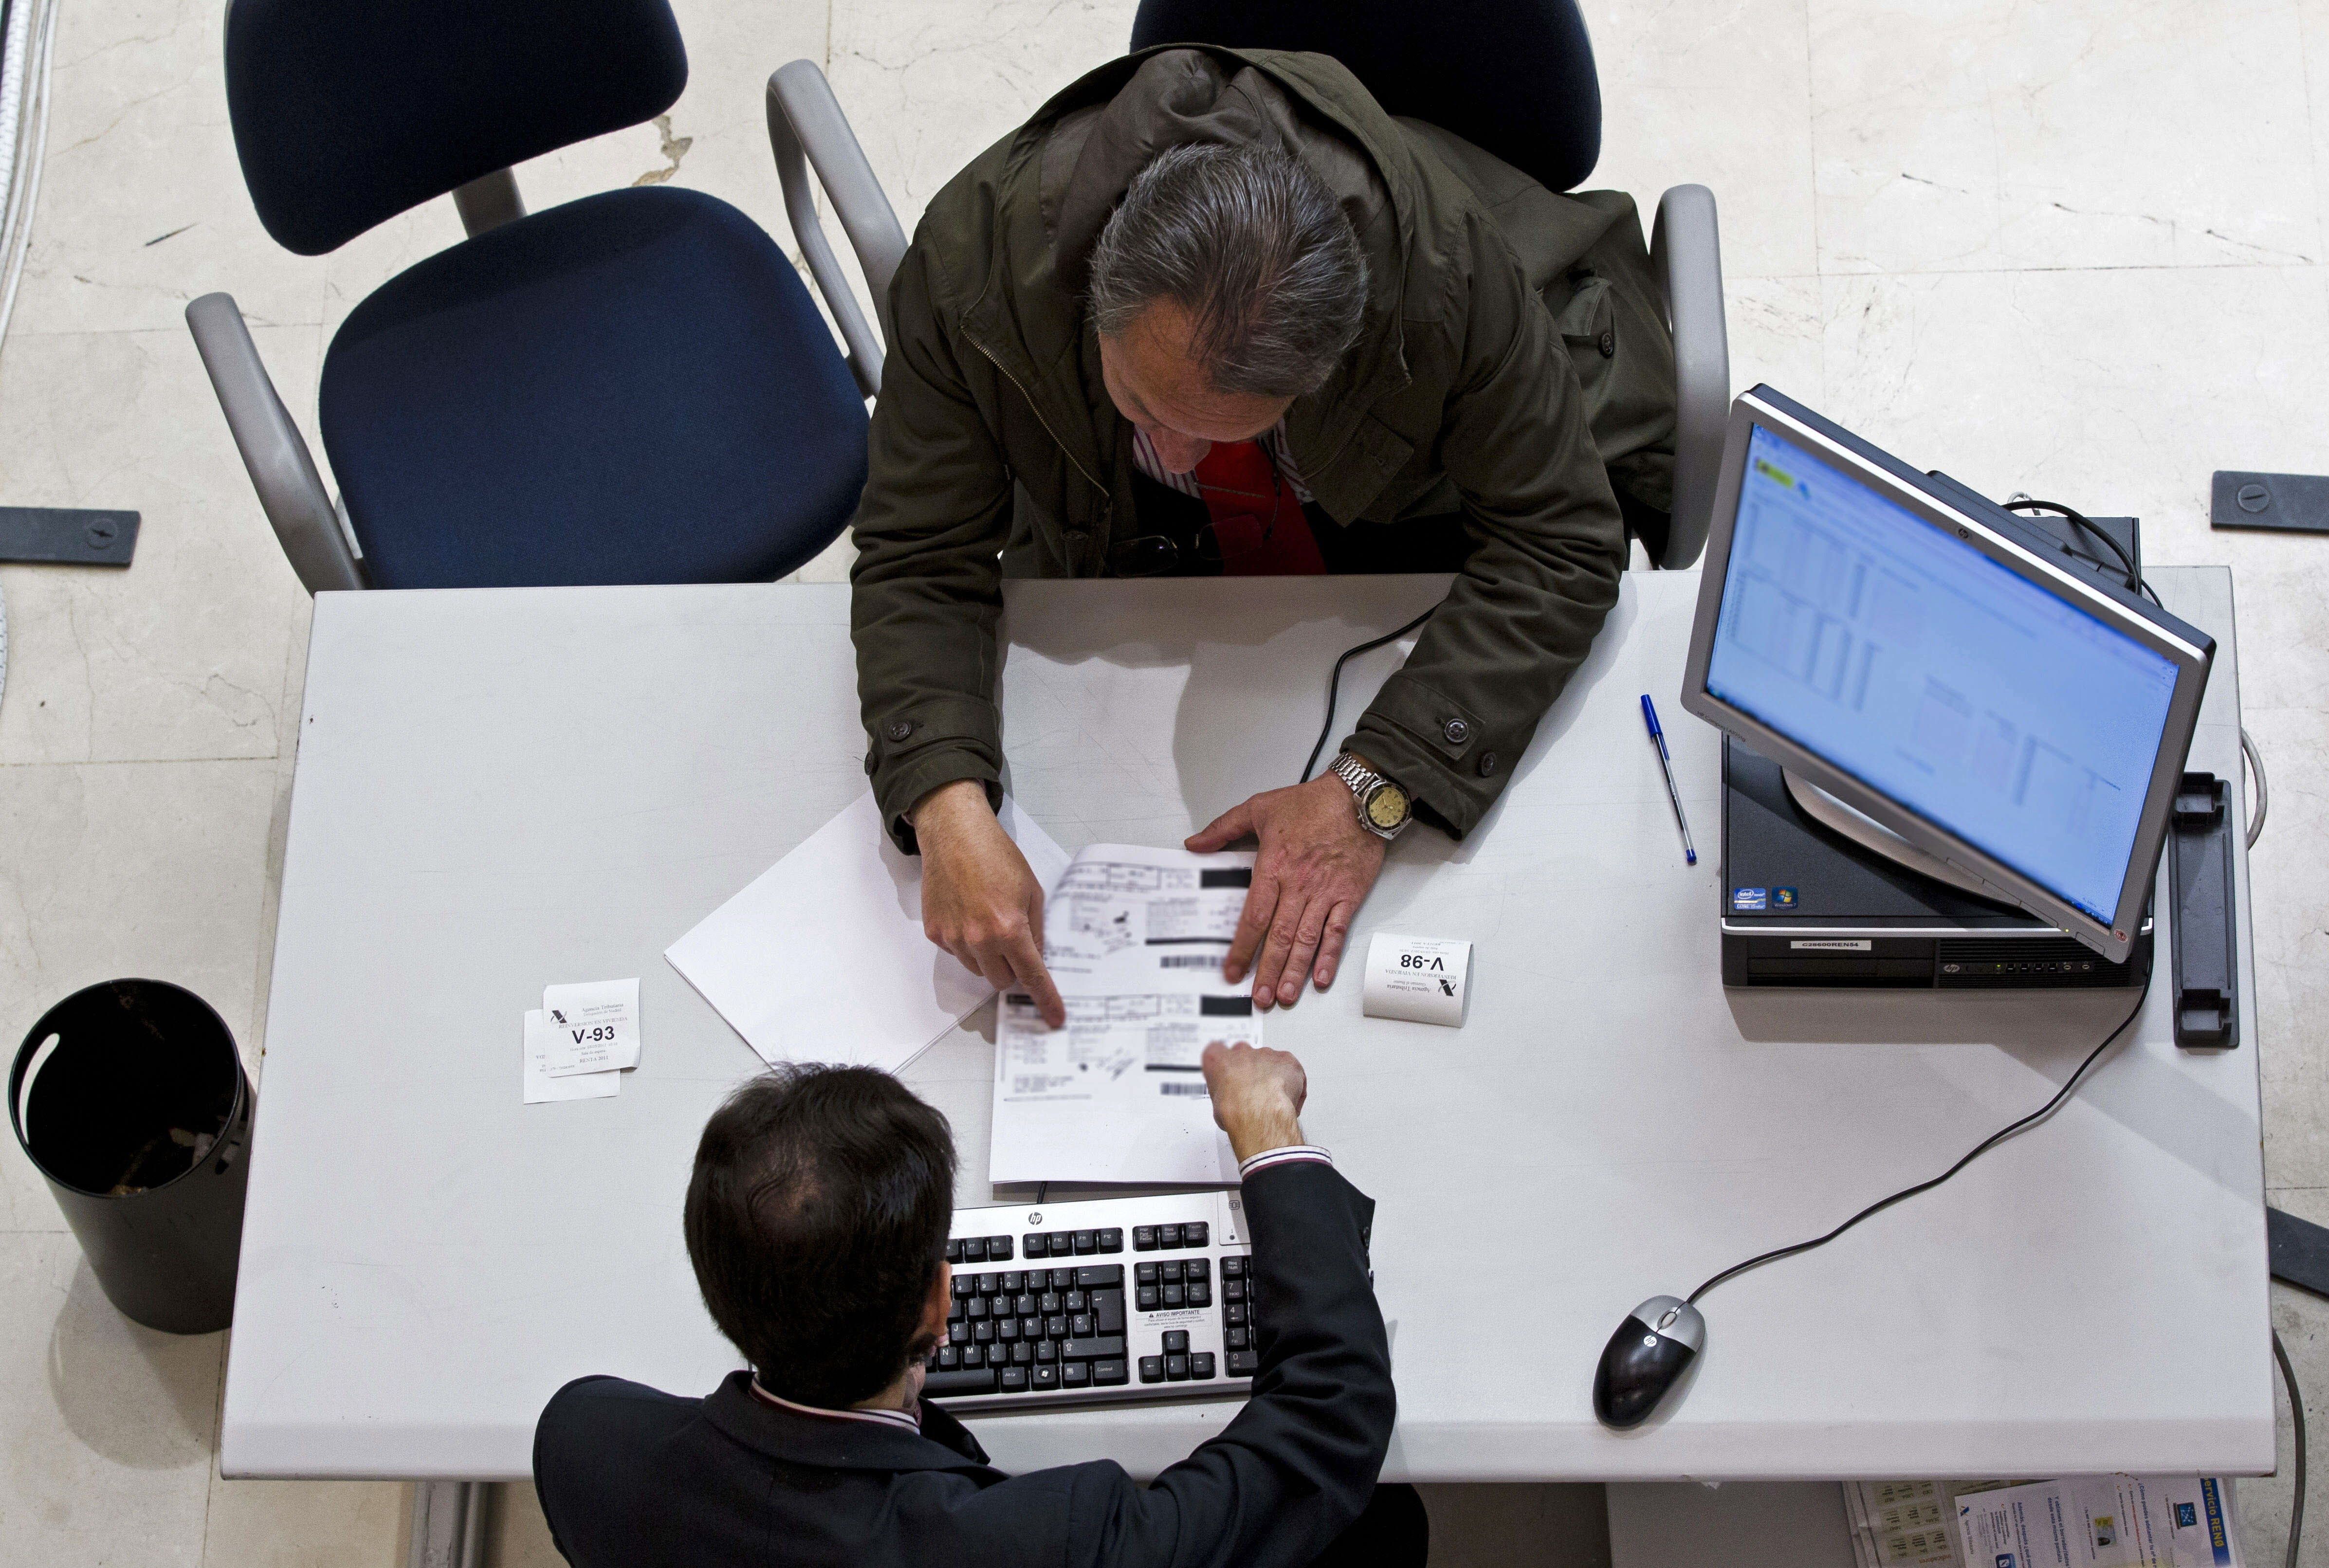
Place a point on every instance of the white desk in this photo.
(496, 790)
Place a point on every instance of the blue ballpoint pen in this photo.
(1665, 765)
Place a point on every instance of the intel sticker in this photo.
(1743, 899)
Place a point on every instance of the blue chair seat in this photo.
(631, 387)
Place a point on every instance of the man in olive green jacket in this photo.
(1501, 405)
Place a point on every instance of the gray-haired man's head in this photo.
(1227, 284)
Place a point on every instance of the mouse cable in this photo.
(2296, 1413)
(1978, 1150)
(1334, 681)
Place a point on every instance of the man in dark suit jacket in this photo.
(817, 1219)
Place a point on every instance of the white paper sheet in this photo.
(2102, 1522)
(822, 958)
(541, 1086)
(1135, 938)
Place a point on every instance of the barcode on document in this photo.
(1181, 1089)
(1189, 961)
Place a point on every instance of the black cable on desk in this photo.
(1978, 1150)
(1334, 682)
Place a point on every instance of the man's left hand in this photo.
(1316, 866)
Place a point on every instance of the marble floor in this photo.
(2071, 247)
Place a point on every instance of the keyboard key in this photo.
(1055, 1326)
(1147, 1297)
(1172, 1273)
(1082, 1326)
(1241, 1315)
(1107, 1308)
(974, 1308)
(1196, 1234)
(1023, 1304)
(1152, 1369)
(1176, 1339)
(974, 1355)
(1176, 1368)
(954, 1251)
(1075, 1375)
(1064, 1280)
(1233, 1268)
(1031, 1327)
(1011, 1281)
(1101, 1276)
(1235, 1289)
(957, 1333)
(1042, 1376)
(1007, 1330)
(1143, 1238)
(1014, 1380)
(956, 1311)
(964, 1285)
(1238, 1339)
(1145, 1273)
(1087, 1242)
(1021, 1354)
(1046, 1353)
(1174, 1296)
(1062, 1243)
(1075, 1301)
(1168, 1236)
(1109, 1374)
(1199, 1269)
(1050, 1302)
(983, 1331)
(999, 1247)
(1032, 1244)
(939, 1385)
(1200, 1366)
(1243, 1364)
(1111, 1240)
(1201, 1293)
(1099, 1348)
(949, 1359)
(974, 1249)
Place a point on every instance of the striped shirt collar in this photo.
(898, 1418)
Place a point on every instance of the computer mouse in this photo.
(1646, 1357)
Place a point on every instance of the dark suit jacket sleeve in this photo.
(1297, 1465)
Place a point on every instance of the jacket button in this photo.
(1456, 731)
(1487, 762)
(1609, 346)
(900, 728)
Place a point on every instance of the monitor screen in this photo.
(1994, 710)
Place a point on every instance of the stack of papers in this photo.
(2092, 1522)
(1135, 938)
(582, 1040)
(822, 958)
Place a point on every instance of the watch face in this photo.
(1387, 806)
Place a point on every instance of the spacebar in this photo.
(939, 1384)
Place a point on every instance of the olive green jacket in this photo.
(1513, 359)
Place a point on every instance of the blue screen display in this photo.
(1999, 713)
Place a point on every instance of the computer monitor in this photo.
(1943, 668)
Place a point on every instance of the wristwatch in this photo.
(1383, 806)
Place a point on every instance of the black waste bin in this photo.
(130, 1098)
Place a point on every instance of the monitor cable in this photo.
(2080, 521)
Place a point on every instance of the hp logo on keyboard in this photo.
(1036, 1218)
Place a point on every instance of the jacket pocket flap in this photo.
(1447, 727)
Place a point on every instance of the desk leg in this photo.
(448, 1524)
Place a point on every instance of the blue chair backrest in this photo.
(346, 112)
(1513, 76)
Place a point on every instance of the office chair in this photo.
(1514, 76)
(630, 388)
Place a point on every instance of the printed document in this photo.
(822, 958)
(1134, 938)
(2101, 1522)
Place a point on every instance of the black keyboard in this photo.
(1062, 1304)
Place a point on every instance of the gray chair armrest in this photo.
(1687, 252)
(282, 471)
(806, 130)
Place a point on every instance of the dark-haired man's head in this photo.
(816, 1221)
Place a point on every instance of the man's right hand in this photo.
(1258, 1095)
(980, 902)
